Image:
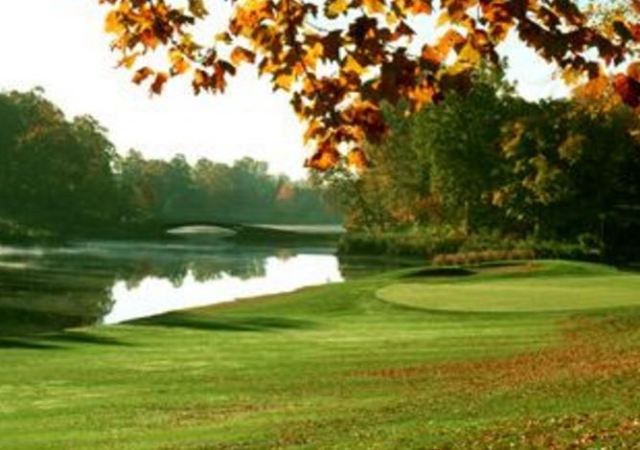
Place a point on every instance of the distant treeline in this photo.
(65, 177)
(489, 169)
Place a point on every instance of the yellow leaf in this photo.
(267, 66)
(284, 81)
(223, 37)
(313, 54)
(351, 65)
(443, 19)
(373, 6)
(336, 7)
(469, 54)
(129, 60)
(392, 18)
(197, 8)
(179, 64)
(112, 23)
(571, 76)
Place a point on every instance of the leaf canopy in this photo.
(342, 59)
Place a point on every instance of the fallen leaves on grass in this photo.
(592, 349)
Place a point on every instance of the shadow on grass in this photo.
(57, 341)
(244, 324)
(22, 343)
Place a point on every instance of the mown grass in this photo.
(574, 290)
(334, 367)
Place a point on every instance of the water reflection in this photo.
(53, 288)
(156, 295)
(44, 289)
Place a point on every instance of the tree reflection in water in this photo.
(49, 289)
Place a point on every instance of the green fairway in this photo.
(571, 292)
(337, 367)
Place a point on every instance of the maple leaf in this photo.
(421, 7)
(112, 23)
(314, 54)
(179, 64)
(142, 74)
(334, 8)
(402, 30)
(352, 65)
(633, 70)
(158, 83)
(628, 89)
(368, 53)
(469, 55)
(432, 56)
(357, 158)
(129, 61)
(197, 8)
(240, 55)
(284, 81)
(324, 159)
(374, 6)
(200, 81)
(332, 43)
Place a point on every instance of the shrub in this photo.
(446, 246)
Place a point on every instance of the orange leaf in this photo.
(634, 70)
(179, 64)
(240, 55)
(357, 158)
(421, 7)
(142, 74)
(373, 6)
(324, 159)
(594, 88)
(284, 81)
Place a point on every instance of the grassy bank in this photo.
(356, 365)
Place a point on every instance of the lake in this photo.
(109, 282)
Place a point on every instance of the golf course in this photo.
(540, 354)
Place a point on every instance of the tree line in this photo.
(492, 163)
(65, 176)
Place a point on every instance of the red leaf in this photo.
(628, 89)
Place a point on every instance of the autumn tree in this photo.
(570, 166)
(461, 138)
(340, 60)
(437, 166)
(52, 170)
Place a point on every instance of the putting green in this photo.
(533, 294)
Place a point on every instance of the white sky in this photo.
(60, 45)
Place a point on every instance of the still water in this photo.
(82, 283)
